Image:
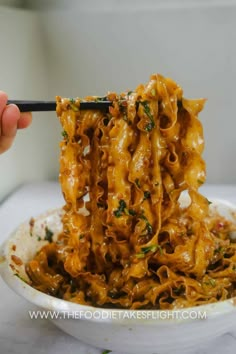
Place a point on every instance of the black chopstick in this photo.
(45, 106)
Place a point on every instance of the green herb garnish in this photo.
(117, 213)
(199, 181)
(106, 351)
(145, 250)
(152, 248)
(149, 126)
(129, 93)
(140, 255)
(49, 235)
(147, 110)
(39, 238)
(74, 107)
(18, 276)
(148, 225)
(132, 212)
(64, 134)
(137, 182)
(147, 195)
(179, 290)
(220, 249)
(129, 212)
(122, 205)
(208, 201)
(126, 211)
(123, 110)
(100, 99)
(123, 209)
(211, 282)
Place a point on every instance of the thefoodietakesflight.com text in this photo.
(119, 315)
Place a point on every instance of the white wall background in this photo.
(24, 75)
(76, 48)
(116, 44)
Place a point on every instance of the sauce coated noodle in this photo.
(126, 240)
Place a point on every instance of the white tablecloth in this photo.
(21, 335)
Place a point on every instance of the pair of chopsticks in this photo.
(45, 106)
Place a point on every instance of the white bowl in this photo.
(121, 330)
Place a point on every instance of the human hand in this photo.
(10, 120)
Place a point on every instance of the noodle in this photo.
(127, 242)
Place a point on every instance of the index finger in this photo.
(3, 101)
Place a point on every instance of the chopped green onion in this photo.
(123, 209)
(140, 255)
(220, 249)
(100, 99)
(49, 235)
(145, 250)
(148, 225)
(122, 205)
(147, 195)
(149, 126)
(132, 212)
(152, 248)
(160, 249)
(179, 290)
(126, 211)
(74, 107)
(147, 110)
(64, 134)
(211, 282)
(18, 276)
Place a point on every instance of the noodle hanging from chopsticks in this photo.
(127, 241)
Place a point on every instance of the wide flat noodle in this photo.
(126, 240)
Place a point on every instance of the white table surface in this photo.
(21, 335)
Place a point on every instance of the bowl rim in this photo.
(50, 303)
